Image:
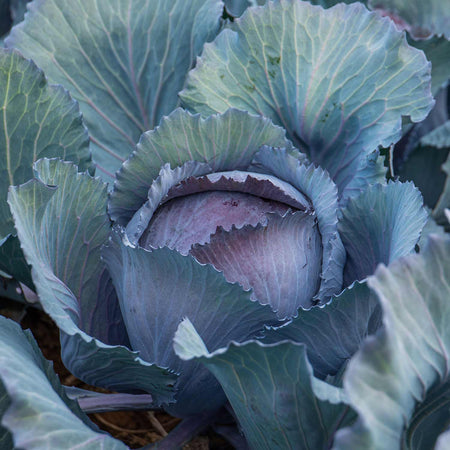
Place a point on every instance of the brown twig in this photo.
(156, 424)
(118, 428)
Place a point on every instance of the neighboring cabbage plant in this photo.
(249, 258)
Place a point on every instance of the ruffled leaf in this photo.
(338, 80)
(159, 288)
(333, 333)
(224, 142)
(39, 414)
(281, 260)
(379, 226)
(127, 61)
(315, 183)
(62, 223)
(277, 401)
(192, 209)
(399, 380)
(158, 191)
(37, 120)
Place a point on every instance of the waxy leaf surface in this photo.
(36, 120)
(62, 223)
(39, 414)
(338, 80)
(123, 60)
(399, 380)
(227, 141)
(157, 289)
(277, 400)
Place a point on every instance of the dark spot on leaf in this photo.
(274, 60)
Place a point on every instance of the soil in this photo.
(134, 428)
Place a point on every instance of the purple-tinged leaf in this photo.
(280, 260)
(157, 289)
(316, 184)
(224, 142)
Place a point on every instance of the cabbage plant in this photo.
(248, 257)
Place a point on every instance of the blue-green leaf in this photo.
(224, 142)
(6, 441)
(157, 289)
(444, 199)
(332, 333)
(277, 401)
(338, 80)
(443, 442)
(423, 167)
(62, 223)
(379, 226)
(36, 120)
(39, 414)
(13, 262)
(421, 19)
(123, 60)
(437, 51)
(399, 380)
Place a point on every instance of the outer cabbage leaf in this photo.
(444, 199)
(421, 19)
(422, 166)
(332, 333)
(18, 10)
(224, 142)
(5, 436)
(379, 226)
(436, 51)
(62, 223)
(127, 61)
(424, 148)
(36, 120)
(157, 289)
(39, 414)
(399, 380)
(237, 7)
(443, 441)
(277, 401)
(13, 262)
(338, 80)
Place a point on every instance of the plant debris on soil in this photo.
(133, 428)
